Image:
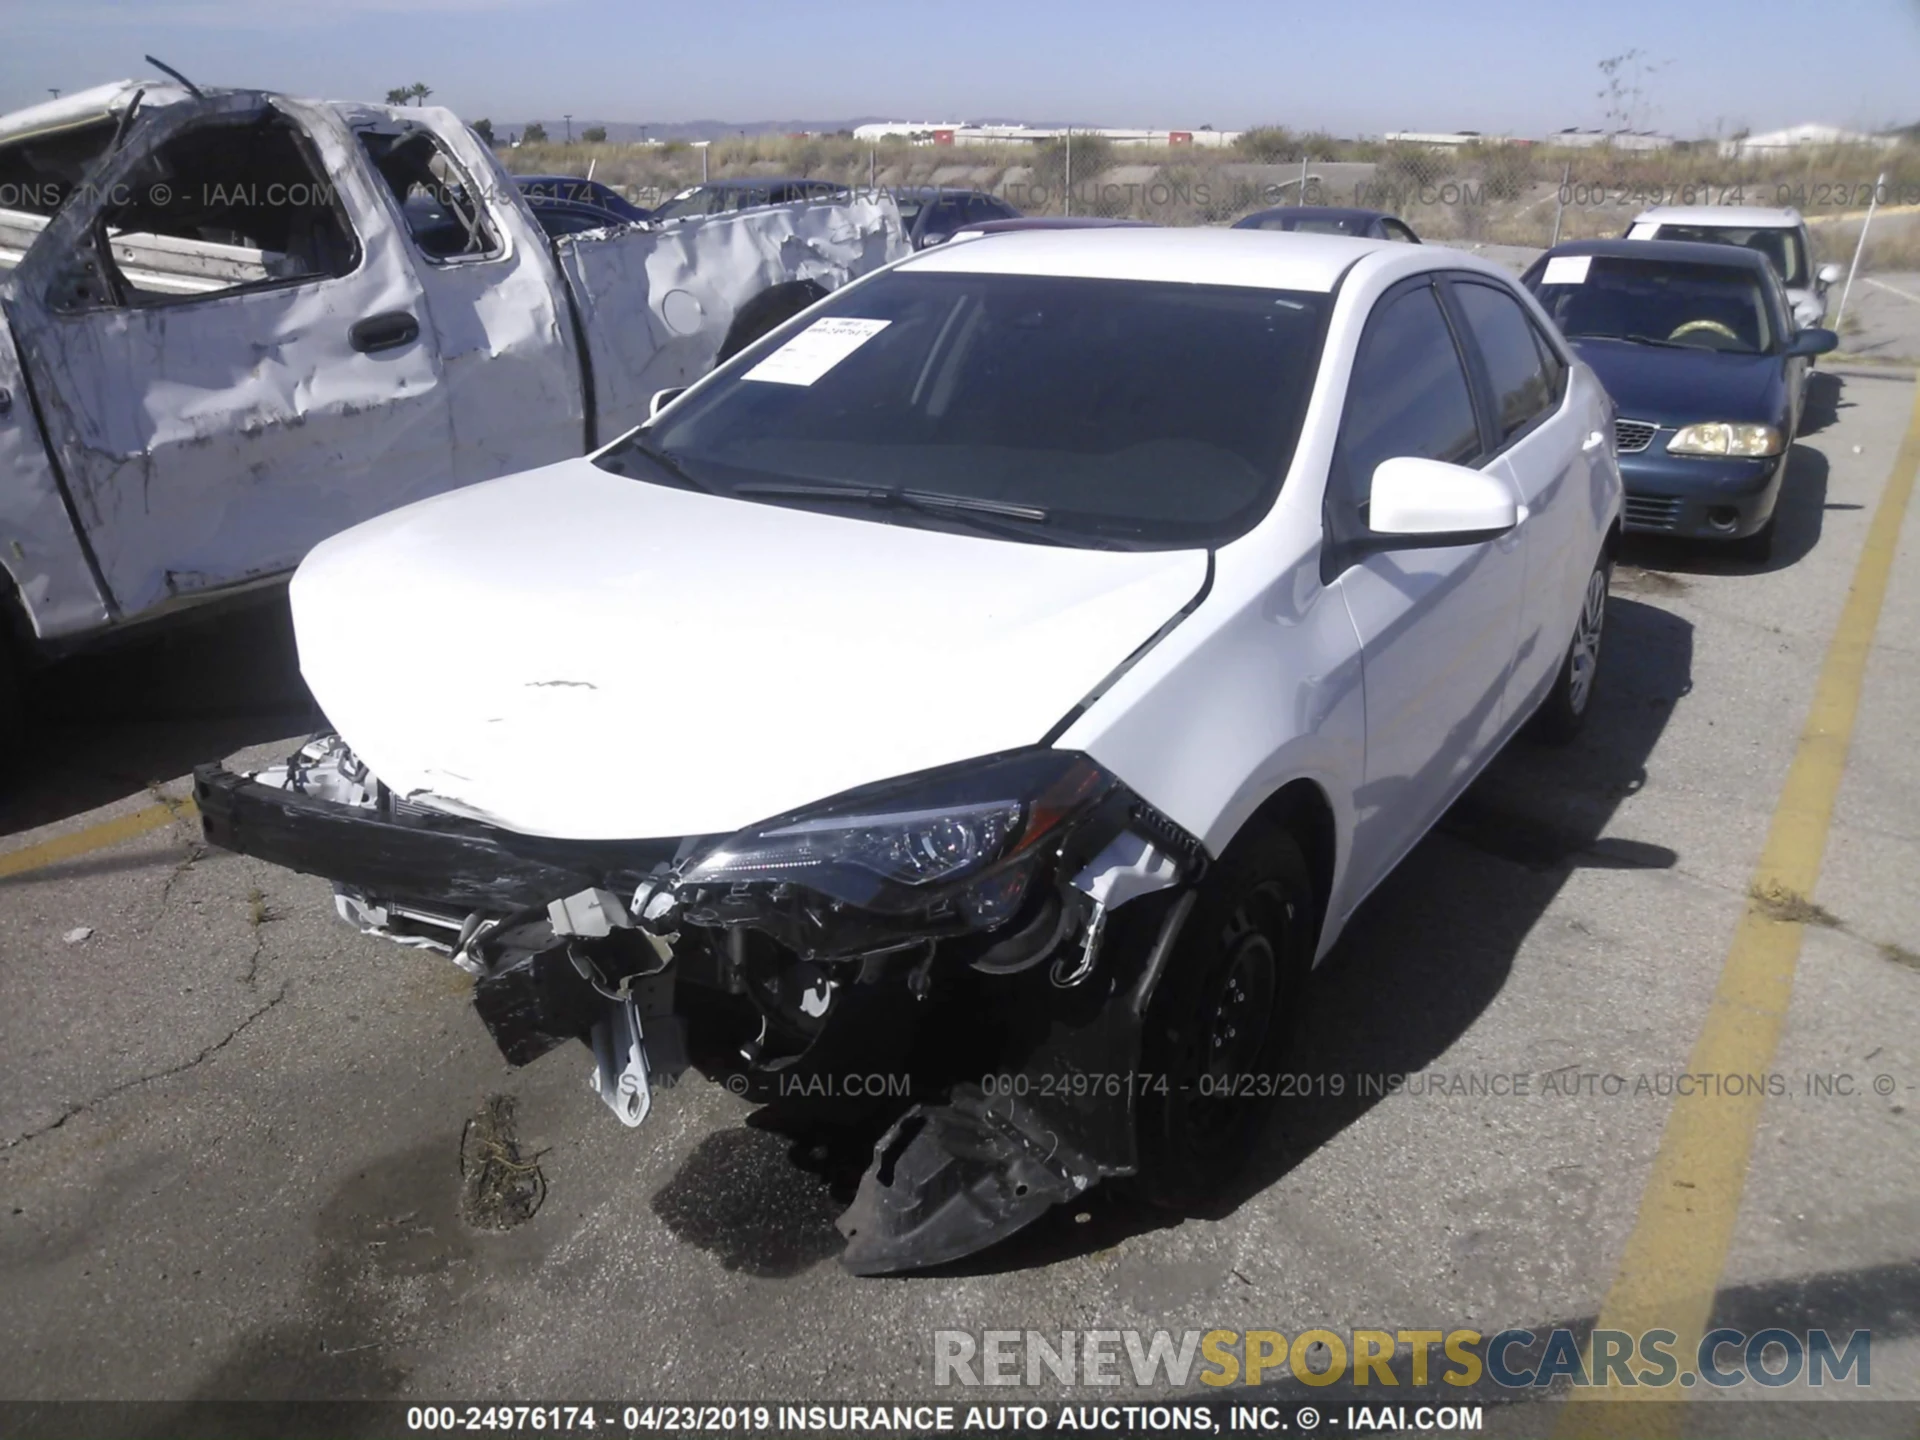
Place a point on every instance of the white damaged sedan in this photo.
(1006, 679)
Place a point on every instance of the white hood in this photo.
(568, 652)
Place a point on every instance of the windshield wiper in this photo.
(1640, 340)
(884, 497)
(888, 495)
(669, 464)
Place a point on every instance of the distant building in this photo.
(1443, 139)
(903, 129)
(961, 133)
(1577, 139)
(1799, 137)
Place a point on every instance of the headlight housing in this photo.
(943, 852)
(1726, 437)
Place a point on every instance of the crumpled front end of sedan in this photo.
(966, 952)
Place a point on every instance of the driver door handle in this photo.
(1594, 441)
(383, 332)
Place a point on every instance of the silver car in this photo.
(1780, 235)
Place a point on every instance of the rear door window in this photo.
(440, 205)
(1522, 388)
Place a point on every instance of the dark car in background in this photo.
(1697, 346)
(568, 204)
(929, 214)
(1048, 222)
(720, 197)
(1330, 220)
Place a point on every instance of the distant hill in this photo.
(625, 132)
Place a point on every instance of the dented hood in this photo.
(572, 653)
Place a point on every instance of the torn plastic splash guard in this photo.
(1011, 1109)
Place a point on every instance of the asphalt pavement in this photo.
(231, 1134)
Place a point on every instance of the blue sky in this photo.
(1352, 66)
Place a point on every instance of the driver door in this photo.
(230, 369)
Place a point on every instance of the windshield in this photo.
(1115, 413)
(700, 200)
(1655, 302)
(1781, 247)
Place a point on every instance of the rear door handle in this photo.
(383, 332)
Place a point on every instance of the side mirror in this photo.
(663, 398)
(1812, 341)
(1432, 503)
(933, 238)
(1829, 274)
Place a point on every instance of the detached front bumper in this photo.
(1021, 1090)
(1699, 497)
(378, 850)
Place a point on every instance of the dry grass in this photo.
(1497, 194)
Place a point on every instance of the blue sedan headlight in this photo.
(1722, 437)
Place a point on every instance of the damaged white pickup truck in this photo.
(1009, 675)
(236, 323)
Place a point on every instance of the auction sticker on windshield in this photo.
(1567, 270)
(815, 350)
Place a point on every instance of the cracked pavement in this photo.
(232, 1126)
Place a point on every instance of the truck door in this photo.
(509, 360)
(231, 363)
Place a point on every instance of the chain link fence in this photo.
(1483, 194)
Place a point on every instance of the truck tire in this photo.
(13, 707)
(1224, 1017)
(766, 312)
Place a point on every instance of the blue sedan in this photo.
(1697, 346)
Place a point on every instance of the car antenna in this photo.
(126, 119)
(192, 88)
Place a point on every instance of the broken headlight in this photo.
(942, 852)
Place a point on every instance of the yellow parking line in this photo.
(94, 837)
(1678, 1248)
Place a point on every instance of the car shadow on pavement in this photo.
(1823, 402)
(1432, 947)
(111, 723)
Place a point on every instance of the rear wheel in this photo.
(13, 707)
(1564, 711)
(765, 313)
(1223, 1018)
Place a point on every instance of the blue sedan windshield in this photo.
(1655, 302)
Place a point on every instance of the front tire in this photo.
(1563, 713)
(1223, 1019)
(1756, 548)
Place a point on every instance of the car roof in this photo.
(1672, 252)
(1746, 217)
(1260, 259)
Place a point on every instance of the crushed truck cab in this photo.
(236, 323)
